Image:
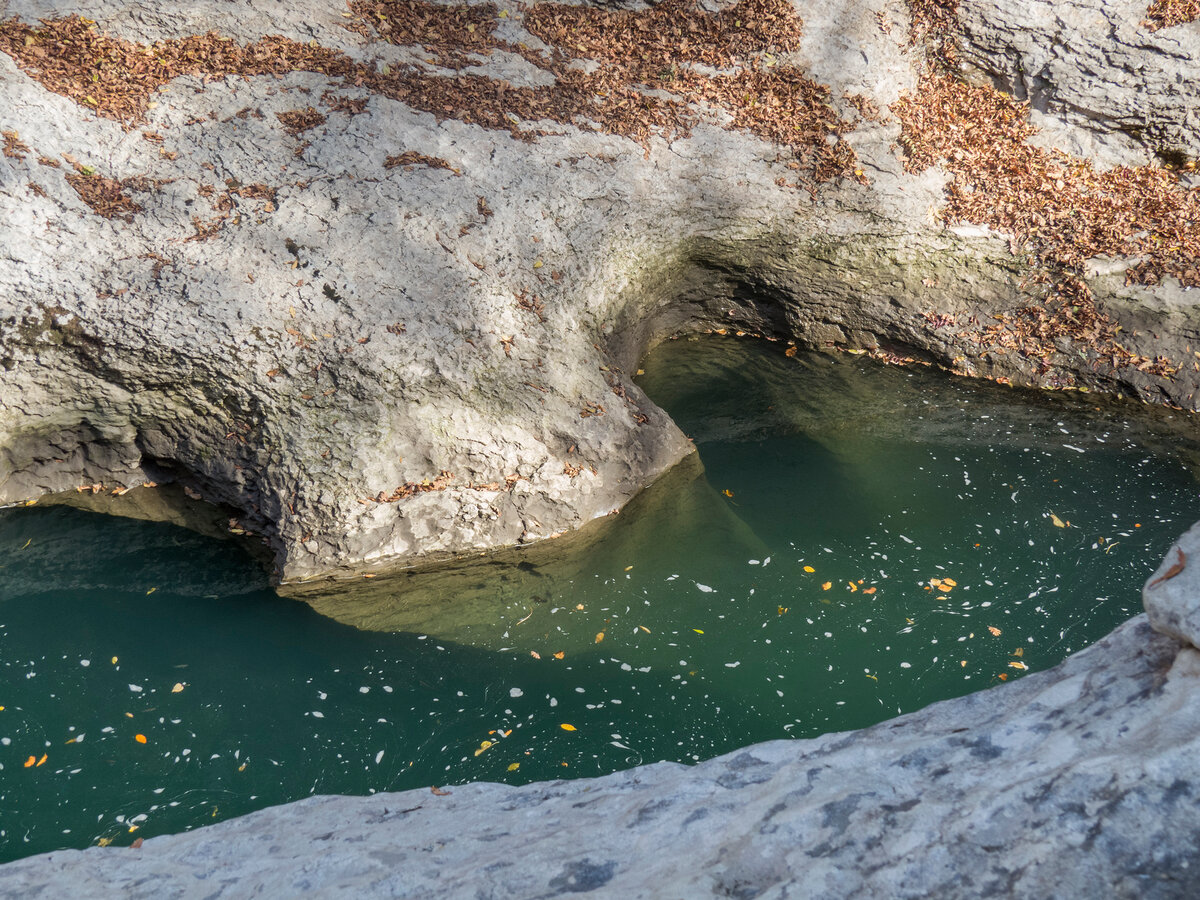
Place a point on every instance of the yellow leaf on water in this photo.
(565, 727)
(45, 756)
(103, 842)
(1020, 651)
(31, 762)
(151, 591)
(559, 655)
(950, 581)
(114, 660)
(643, 627)
(697, 630)
(963, 663)
(994, 630)
(242, 767)
(853, 586)
(909, 621)
(177, 688)
(727, 492)
(484, 746)
(1058, 523)
(1017, 665)
(872, 677)
(827, 585)
(27, 543)
(809, 569)
(629, 568)
(599, 636)
(783, 609)
(512, 767)
(140, 738)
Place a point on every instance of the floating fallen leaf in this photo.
(809, 569)
(935, 581)
(629, 568)
(31, 762)
(827, 585)
(783, 609)
(963, 663)
(512, 767)
(853, 586)
(535, 654)
(565, 727)
(945, 588)
(697, 630)
(1058, 523)
(242, 767)
(140, 738)
(869, 590)
(151, 591)
(599, 636)
(950, 581)
(872, 677)
(177, 688)
(579, 606)
(27, 543)
(559, 655)
(437, 791)
(1017, 665)
(1003, 676)
(790, 351)
(114, 660)
(994, 630)
(103, 842)
(727, 492)
(909, 621)
(484, 746)
(1019, 652)
(45, 756)
(133, 828)
(644, 628)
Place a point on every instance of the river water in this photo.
(859, 541)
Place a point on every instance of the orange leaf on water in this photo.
(565, 727)
(559, 655)
(994, 630)
(140, 738)
(599, 636)
(827, 585)
(29, 763)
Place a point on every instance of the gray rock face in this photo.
(1076, 782)
(371, 366)
(1128, 93)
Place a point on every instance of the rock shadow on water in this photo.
(474, 601)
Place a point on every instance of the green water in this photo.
(714, 634)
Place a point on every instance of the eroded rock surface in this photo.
(377, 286)
(1076, 782)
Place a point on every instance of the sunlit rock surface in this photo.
(373, 363)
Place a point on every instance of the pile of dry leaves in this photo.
(1166, 13)
(649, 83)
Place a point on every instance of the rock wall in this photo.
(377, 292)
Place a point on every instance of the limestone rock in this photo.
(379, 329)
(1172, 594)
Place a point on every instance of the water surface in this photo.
(859, 541)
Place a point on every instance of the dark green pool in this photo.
(958, 534)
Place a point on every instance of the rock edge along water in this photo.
(1078, 781)
(380, 335)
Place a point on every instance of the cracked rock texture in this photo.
(293, 330)
(1076, 782)
(1128, 93)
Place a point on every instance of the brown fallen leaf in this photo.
(1175, 569)
(438, 792)
(137, 842)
